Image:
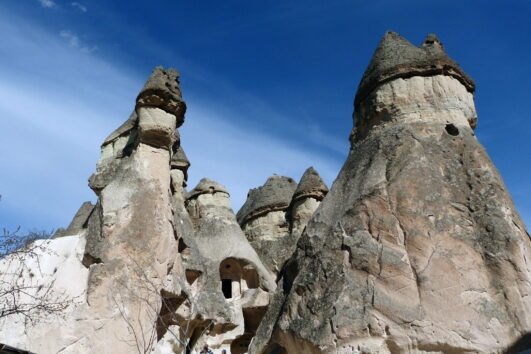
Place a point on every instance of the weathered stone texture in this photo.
(162, 90)
(395, 57)
(180, 161)
(417, 247)
(275, 214)
(156, 127)
(275, 194)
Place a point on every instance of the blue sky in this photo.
(269, 86)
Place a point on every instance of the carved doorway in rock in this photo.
(237, 275)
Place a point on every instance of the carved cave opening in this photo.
(452, 130)
(237, 276)
(226, 288)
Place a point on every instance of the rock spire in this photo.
(418, 246)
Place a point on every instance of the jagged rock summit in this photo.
(416, 247)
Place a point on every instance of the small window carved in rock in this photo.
(226, 288)
(452, 130)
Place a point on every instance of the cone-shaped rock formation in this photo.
(418, 246)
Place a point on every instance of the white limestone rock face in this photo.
(417, 247)
(57, 262)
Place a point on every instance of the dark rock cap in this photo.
(180, 161)
(123, 129)
(162, 91)
(310, 185)
(395, 57)
(206, 186)
(275, 194)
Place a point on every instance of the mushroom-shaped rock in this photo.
(207, 186)
(309, 194)
(413, 84)
(162, 91)
(274, 195)
(396, 57)
(265, 221)
(310, 185)
(229, 272)
(418, 228)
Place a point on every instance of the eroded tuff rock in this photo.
(309, 193)
(162, 270)
(221, 246)
(180, 161)
(275, 214)
(264, 219)
(162, 90)
(275, 194)
(127, 263)
(418, 246)
(395, 57)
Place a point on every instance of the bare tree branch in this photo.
(22, 291)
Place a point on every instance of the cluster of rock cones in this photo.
(416, 248)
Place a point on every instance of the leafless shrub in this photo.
(22, 292)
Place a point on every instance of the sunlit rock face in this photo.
(418, 246)
(55, 262)
(153, 268)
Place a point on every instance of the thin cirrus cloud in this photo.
(54, 114)
(74, 42)
(58, 104)
(79, 6)
(47, 3)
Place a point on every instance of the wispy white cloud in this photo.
(47, 3)
(55, 111)
(79, 6)
(242, 158)
(57, 105)
(74, 42)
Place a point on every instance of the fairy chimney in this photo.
(418, 246)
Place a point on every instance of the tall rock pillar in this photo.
(131, 243)
(418, 246)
